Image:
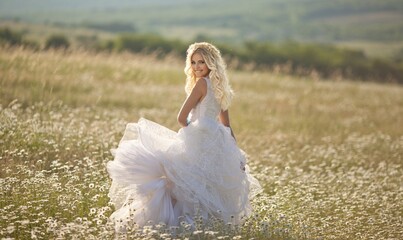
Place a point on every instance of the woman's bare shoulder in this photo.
(201, 85)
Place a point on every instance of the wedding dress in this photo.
(159, 175)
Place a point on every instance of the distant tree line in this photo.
(291, 57)
(325, 60)
(113, 27)
(144, 43)
(13, 38)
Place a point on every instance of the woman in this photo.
(159, 175)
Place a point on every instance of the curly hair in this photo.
(218, 75)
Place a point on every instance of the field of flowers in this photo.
(329, 154)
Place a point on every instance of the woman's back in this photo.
(208, 107)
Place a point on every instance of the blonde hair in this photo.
(218, 75)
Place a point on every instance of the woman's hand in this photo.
(224, 119)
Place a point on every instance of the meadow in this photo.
(327, 153)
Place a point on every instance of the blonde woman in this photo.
(159, 175)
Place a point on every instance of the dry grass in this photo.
(329, 154)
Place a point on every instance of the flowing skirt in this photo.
(159, 175)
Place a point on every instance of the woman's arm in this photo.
(197, 94)
(224, 119)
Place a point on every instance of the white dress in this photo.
(159, 175)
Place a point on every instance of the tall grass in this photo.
(328, 154)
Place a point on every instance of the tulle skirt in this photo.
(159, 175)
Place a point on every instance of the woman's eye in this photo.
(192, 62)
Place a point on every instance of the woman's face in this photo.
(199, 66)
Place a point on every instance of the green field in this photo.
(328, 153)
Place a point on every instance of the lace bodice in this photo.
(208, 107)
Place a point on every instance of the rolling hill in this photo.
(235, 21)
